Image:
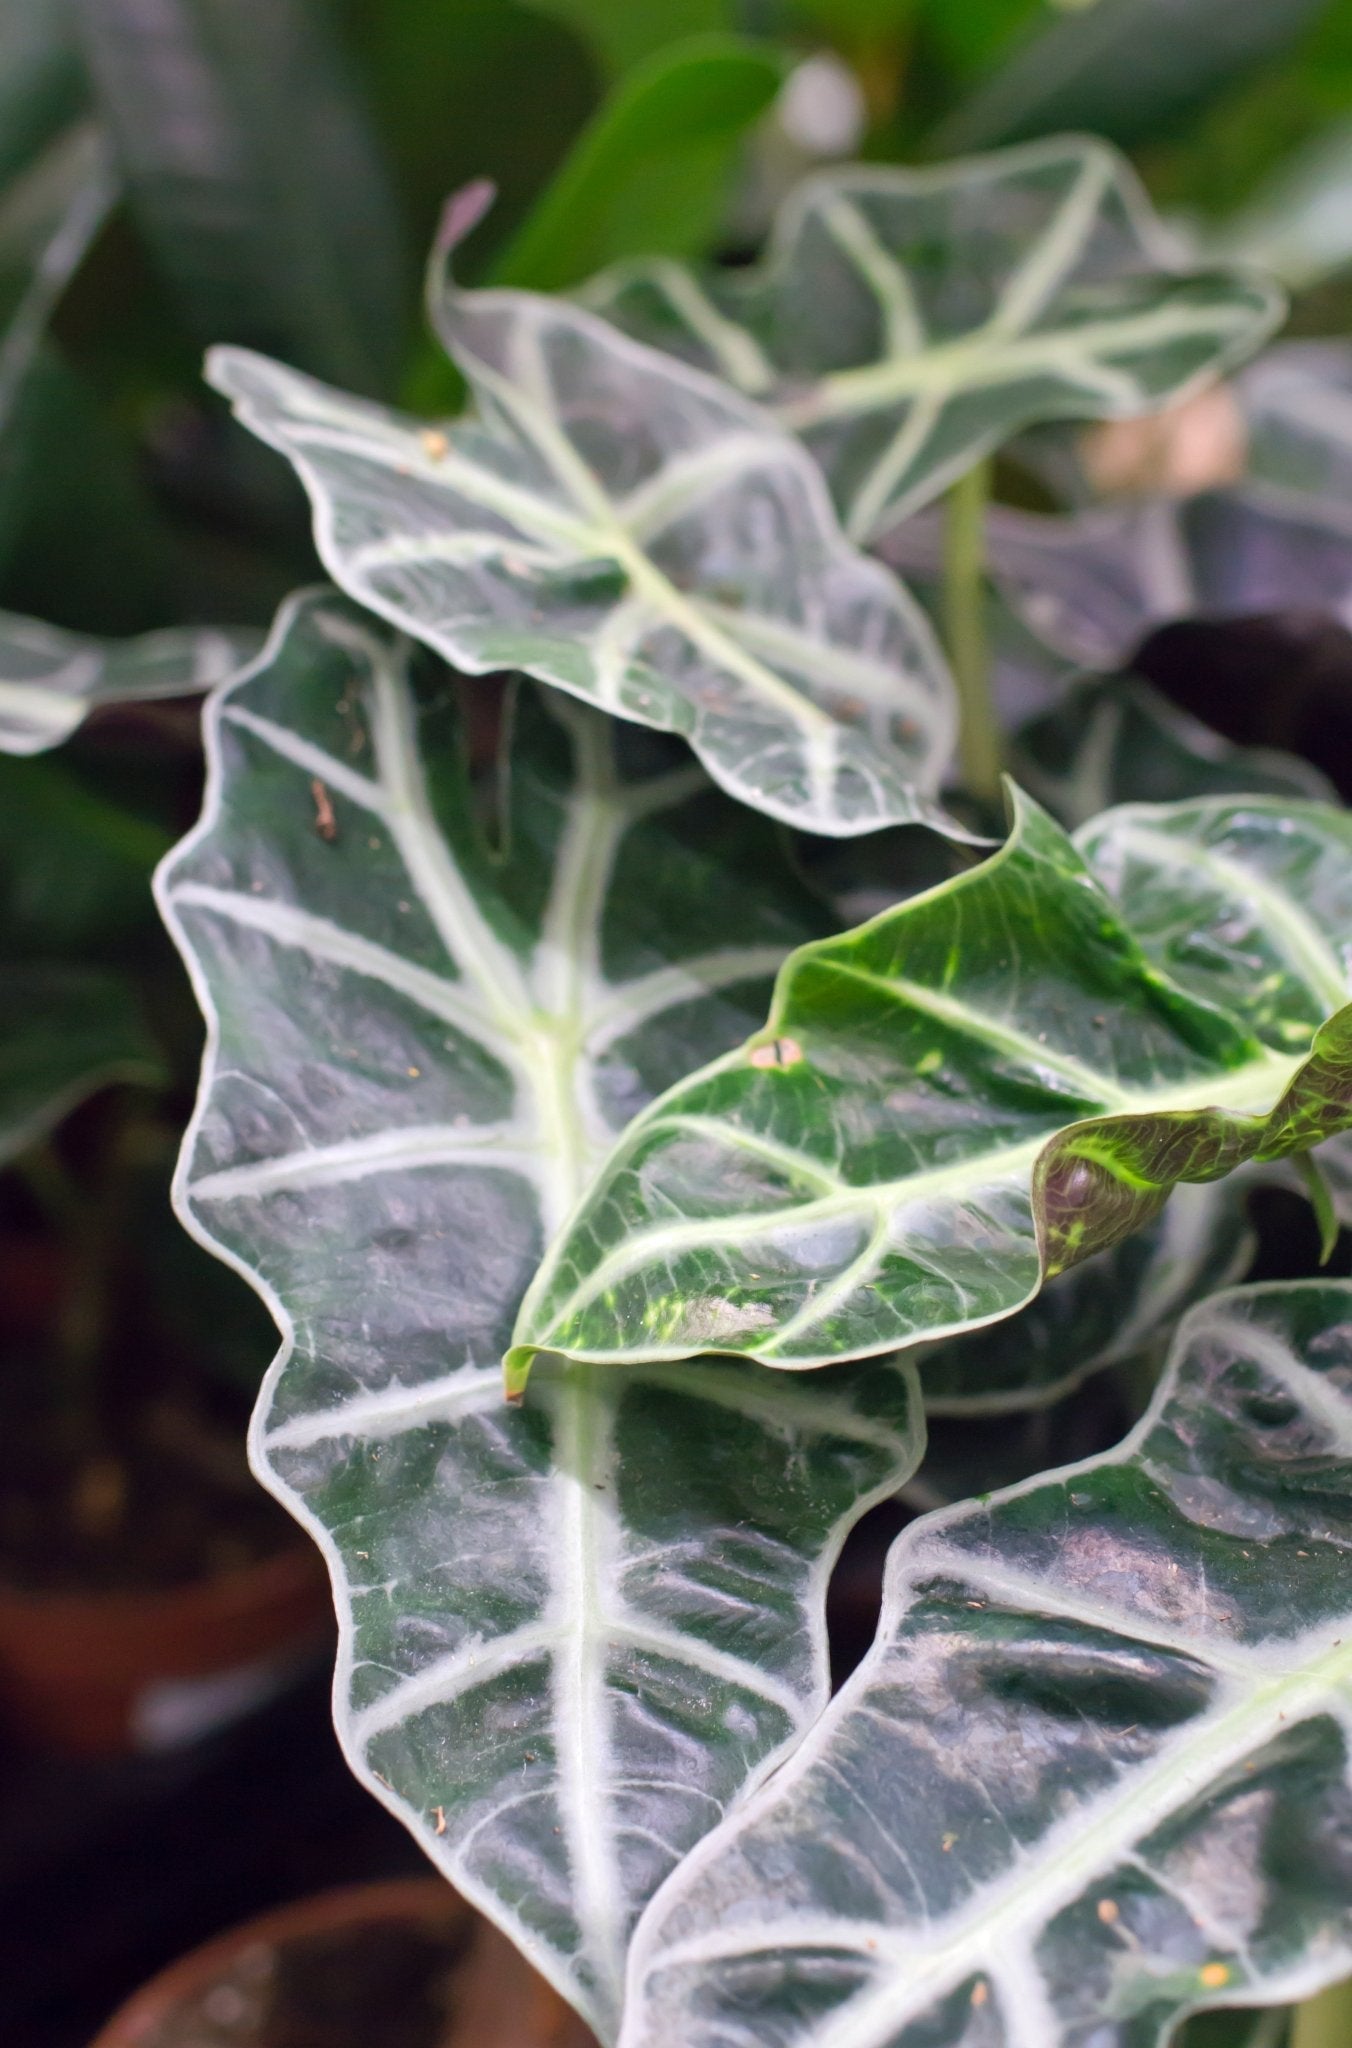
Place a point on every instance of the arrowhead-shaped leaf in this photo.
(640, 536)
(907, 321)
(975, 1089)
(1094, 1773)
(573, 1632)
(50, 679)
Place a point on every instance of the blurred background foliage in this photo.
(177, 172)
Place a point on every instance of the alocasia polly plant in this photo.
(574, 1633)
(487, 967)
(906, 322)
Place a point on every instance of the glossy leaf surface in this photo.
(50, 679)
(572, 1632)
(974, 1090)
(626, 529)
(65, 1032)
(1094, 1774)
(905, 322)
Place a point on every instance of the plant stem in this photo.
(965, 630)
(1324, 2021)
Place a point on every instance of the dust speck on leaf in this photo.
(780, 1052)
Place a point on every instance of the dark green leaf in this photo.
(65, 1032)
(253, 174)
(634, 533)
(647, 177)
(574, 1632)
(50, 679)
(906, 322)
(1094, 1774)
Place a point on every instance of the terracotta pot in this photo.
(498, 2000)
(98, 1673)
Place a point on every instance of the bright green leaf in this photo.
(648, 174)
(50, 679)
(906, 322)
(624, 528)
(976, 1089)
(1094, 1773)
(65, 1032)
(572, 1633)
(251, 168)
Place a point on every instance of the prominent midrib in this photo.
(646, 579)
(1093, 1840)
(1244, 1090)
(985, 359)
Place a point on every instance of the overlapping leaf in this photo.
(907, 321)
(50, 679)
(627, 529)
(572, 1633)
(1094, 586)
(1120, 1306)
(982, 1086)
(1094, 1773)
(65, 1032)
(1114, 740)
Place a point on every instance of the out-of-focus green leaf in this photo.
(906, 322)
(65, 1032)
(974, 1091)
(574, 1632)
(1114, 740)
(625, 32)
(1126, 69)
(1094, 586)
(255, 178)
(647, 176)
(75, 865)
(81, 536)
(1298, 225)
(49, 215)
(50, 680)
(1094, 1773)
(43, 86)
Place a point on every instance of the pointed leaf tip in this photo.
(462, 213)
